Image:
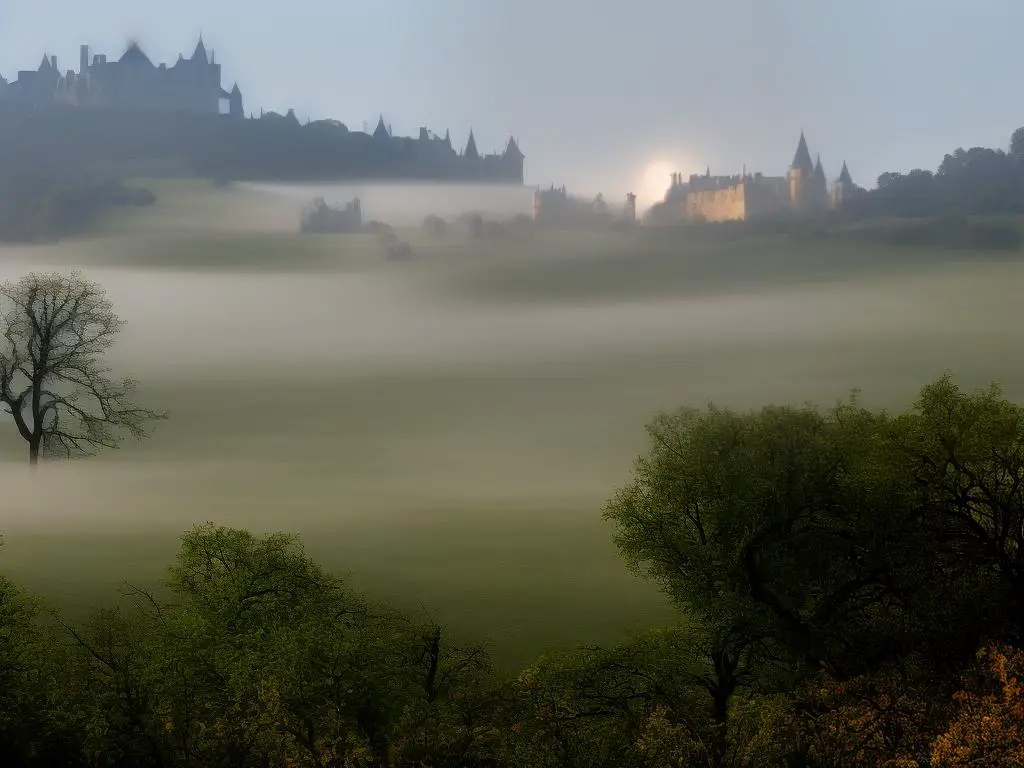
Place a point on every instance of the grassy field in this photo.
(447, 430)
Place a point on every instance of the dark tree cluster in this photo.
(850, 586)
(44, 205)
(971, 181)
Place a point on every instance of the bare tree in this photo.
(56, 328)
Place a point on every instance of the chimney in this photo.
(83, 58)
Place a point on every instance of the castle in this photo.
(556, 206)
(132, 82)
(803, 190)
(131, 108)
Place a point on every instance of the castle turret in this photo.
(800, 172)
(471, 150)
(235, 107)
(843, 188)
(512, 159)
(818, 188)
(381, 131)
(199, 54)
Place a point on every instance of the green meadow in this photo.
(446, 430)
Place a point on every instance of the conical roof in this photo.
(381, 131)
(844, 175)
(512, 148)
(819, 171)
(802, 158)
(199, 54)
(471, 150)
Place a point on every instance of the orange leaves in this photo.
(988, 726)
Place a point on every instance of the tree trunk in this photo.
(725, 677)
(33, 452)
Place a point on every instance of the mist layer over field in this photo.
(447, 430)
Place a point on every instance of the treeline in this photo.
(850, 586)
(41, 205)
(970, 182)
(219, 147)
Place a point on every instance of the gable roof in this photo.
(133, 55)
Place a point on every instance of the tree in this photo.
(56, 329)
(988, 728)
(1017, 145)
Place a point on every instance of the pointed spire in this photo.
(844, 175)
(448, 138)
(512, 148)
(381, 131)
(236, 91)
(802, 158)
(819, 171)
(45, 63)
(199, 54)
(471, 150)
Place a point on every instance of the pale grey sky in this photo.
(603, 94)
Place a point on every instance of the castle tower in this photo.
(800, 171)
(235, 107)
(471, 150)
(199, 54)
(818, 189)
(512, 160)
(843, 188)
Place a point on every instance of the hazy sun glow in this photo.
(655, 180)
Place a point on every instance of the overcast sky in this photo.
(603, 94)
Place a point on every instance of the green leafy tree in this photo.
(259, 657)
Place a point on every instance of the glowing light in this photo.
(656, 178)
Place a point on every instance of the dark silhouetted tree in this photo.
(56, 329)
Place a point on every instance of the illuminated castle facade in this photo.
(804, 189)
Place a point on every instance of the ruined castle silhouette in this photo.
(131, 109)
